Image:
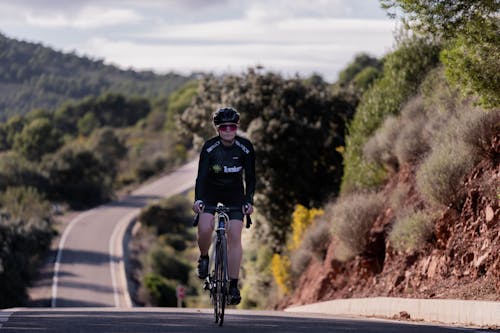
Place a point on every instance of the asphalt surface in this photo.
(97, 320)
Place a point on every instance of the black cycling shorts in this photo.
(227, 198)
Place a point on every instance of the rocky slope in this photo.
(461, 261)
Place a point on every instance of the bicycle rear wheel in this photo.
(220, 290)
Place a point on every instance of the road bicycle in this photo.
(217, 282)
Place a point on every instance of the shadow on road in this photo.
(75, 257)
(134, 201)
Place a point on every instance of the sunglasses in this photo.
(227, 127)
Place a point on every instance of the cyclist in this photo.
(223, 161)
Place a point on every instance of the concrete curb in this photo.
(461, 312)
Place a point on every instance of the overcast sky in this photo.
(220, 36)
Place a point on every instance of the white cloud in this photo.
(302, 36)
(89, 17)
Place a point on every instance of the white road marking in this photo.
(57, 265)
(5, 315)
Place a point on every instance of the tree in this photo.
(469, 29)
(37, 139)
(296, 127)
(443, 17)
(360, 63)
(77, 176)
(88, 123)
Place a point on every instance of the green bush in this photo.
(37, 138)
(411, 231)
(440, 177)
(472, 61)
(379, 148)
(25, 237)
(15, 170)
(25, 203)
(78, 176)
(364, 79)
(352, 217)
(404, 69)
(169, 216)
(161, 291)
(166, 262)
(178, 242)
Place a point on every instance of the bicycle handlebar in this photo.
(222, 209)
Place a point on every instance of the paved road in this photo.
(194, 320)
(89, 267)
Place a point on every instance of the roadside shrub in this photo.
(411, 145)
(177, 241)
(24, 203)
(317, 238)
(165, 262)
(149, 167)
(457, 147)
(399, 195)
(15, 170)
(352, 218)
(161, 292)
(299, 260)
(77, 176)
(439, 178)
(169, 216)
(281, 267)
(24, 243)
(380, 147)
(411, 230)
(302, 218)
(480, 129)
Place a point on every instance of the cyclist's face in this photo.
(227, 131)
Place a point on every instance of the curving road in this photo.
(89, 268)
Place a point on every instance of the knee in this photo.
(234, 235)
(205, 226)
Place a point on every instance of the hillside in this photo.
(461, 262)
(34, 76)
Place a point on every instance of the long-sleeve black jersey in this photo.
(221, 170)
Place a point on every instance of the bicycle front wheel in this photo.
(220, 295)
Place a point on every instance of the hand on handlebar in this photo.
(198, 206)
(247, 209)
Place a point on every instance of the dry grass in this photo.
(411, 230)
(440, 177)
(380, 147)
(352, 218)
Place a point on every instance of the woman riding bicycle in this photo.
(223, 161)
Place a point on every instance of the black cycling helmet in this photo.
(226, 115)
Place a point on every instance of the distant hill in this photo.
(34, 76)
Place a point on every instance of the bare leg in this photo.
(234, 249)
(205, 231)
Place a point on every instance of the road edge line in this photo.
(116, 254)
(60, 247)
